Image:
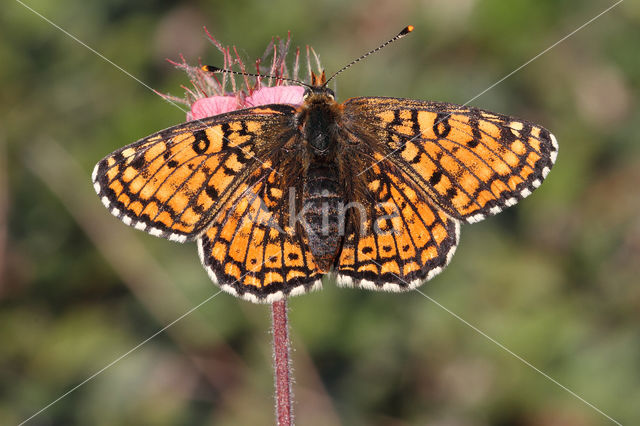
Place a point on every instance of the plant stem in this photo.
(282, 364)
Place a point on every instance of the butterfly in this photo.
(371, 191)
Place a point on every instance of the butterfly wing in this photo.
(472, 163)
(173, 183)
(431, 166)
(410, 241)
(248, 249)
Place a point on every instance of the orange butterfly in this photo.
(372, 190)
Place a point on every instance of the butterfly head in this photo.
(318, 90)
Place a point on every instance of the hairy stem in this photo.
(282, 364)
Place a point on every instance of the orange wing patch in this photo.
(171, 184)
(471, 162)
(250, 253)
(409, 241)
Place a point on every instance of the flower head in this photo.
(213, 94)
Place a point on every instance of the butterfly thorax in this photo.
(318, 122)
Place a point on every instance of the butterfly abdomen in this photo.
(323, 202)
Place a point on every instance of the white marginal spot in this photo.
(210, 273)
(415, 283)
(452, 251)
(96, 187)
(475, 218)
(200, 250)
(554, 141)
(344, 281)
(297, 291)
(214, 279)
(545, 172)
(392, 287)
(536, 183)
(105, 201)
(229, 289)
(126, 220)
(495, 210)
(140, 226)
(251, 297)
(94, 174)
(178, 238)
(317, 285)
(453, 248)
(274, 297)
(510, 202)
(369, 285)
(155, 232)
(525, 192)
(115, 212)
(432, 273)
(554, 156)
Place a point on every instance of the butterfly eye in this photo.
(329, 93)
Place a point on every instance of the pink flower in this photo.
(212, 94)
(276, 95)
(214, 105)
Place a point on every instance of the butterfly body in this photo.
(322, 201)
(372, 190)
(324, 172)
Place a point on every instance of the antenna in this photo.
(212, 68)
(401, 34)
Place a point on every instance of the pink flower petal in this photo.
(213, 105)
(276, 95)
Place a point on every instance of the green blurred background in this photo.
(554, 279)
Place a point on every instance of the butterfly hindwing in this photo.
(472, 162)
(250, 252)
(410, 242)
(172, 183)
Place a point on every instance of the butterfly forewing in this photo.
(172, 183)
(471, 162)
